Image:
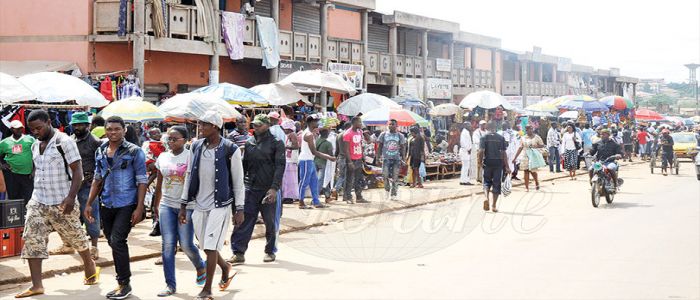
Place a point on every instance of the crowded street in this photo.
(546, 244)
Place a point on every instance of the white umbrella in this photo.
(572, 114)
(189, 106)
(486, 100)
(320, 79)
(535, 113)
(12, 90)
(365, 102)
(447, 109)
(279, 94)
(52, 87)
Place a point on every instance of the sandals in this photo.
(202, 279)
(94, 278)
(28, 293)
(223, 285)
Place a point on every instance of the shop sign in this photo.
(439, 88)
(354, 74)
(411, 88)
(287, 67)
(443, 65)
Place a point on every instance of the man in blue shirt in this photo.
(120, 182)
(586, 135)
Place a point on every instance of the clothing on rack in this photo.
(123, 6)
(158, 18)
(106, 89)
(204, 13)
(129, 88)
(269, 41)
(233, 30)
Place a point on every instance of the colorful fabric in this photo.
(18, 153)
(233, 30)
(570, 160)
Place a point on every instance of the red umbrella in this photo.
(647, 115)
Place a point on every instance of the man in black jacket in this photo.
(264, 162)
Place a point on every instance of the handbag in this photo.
(535, 159)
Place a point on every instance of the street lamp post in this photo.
(694, 81)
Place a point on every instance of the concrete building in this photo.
(398, 54)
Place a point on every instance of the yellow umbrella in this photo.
(542, 106)
(132, 110)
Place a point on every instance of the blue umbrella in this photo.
(588, 106)
(234, 94)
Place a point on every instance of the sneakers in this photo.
(269, 258)
(119, 293)
(237, 259)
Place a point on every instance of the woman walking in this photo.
(290, 180)
(530, 142)
(171, 167)
(571, 141)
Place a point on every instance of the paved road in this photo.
(546, 244)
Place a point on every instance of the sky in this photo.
(644, 38)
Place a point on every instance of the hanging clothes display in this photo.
(106, 88)
(129, 87)
(123, 6)
(269, 41)
(233, 30)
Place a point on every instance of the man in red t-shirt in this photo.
(354, 162)
(642, 137)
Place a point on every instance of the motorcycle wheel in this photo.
(609, 197)
(595, 194)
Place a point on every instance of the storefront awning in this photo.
(24, 67)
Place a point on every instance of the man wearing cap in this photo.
(17, 165)
(475, 168)
(214, 181)
(264, 162)
(666, 143)
(87, 146)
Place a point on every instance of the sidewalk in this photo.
(142, 246)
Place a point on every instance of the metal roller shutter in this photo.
(434, 48)
(263, 8)
(378, 36)
(306, 18)
(411, 42)
(459, 56)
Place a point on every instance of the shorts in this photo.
(210, 227)
(41, 219)
(492, 179)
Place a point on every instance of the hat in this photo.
(16, 124)
(289, 125)
(79, 118)
(212, 117)
(261, 119)
(482, 122)
(273, 115)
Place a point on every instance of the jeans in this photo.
(117, 225)
(554, 159)
(308, 178)
(174, 232)
(353, 178)
(254, 206)
(342, 168)
(326, 191)
(390, 172)
(93, 229)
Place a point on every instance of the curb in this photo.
(49, 274)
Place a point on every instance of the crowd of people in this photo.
(192, 180)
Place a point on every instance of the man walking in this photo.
(465, 152)
(214, 181)
(492, 155)
(120, 182)
(52, 206)
(307, 168)
(240, 134)
(264, 162)
(475, 167)
(553, 142)
(87, 146)
(392, 148)
(16, 160)
(341, 161)
(354, 162)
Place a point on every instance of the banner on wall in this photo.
(439, 88)
(411, 88)
(354, 74)
(517, 101)
(287, 67)
(443, 65)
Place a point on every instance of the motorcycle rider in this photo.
(603, 150)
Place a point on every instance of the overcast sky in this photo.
(644, 38)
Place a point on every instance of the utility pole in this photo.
(694, 81)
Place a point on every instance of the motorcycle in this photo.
(602, 184)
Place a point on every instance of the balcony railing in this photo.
(511, 88)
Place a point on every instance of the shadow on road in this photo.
(311, 270)
(624, 205)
